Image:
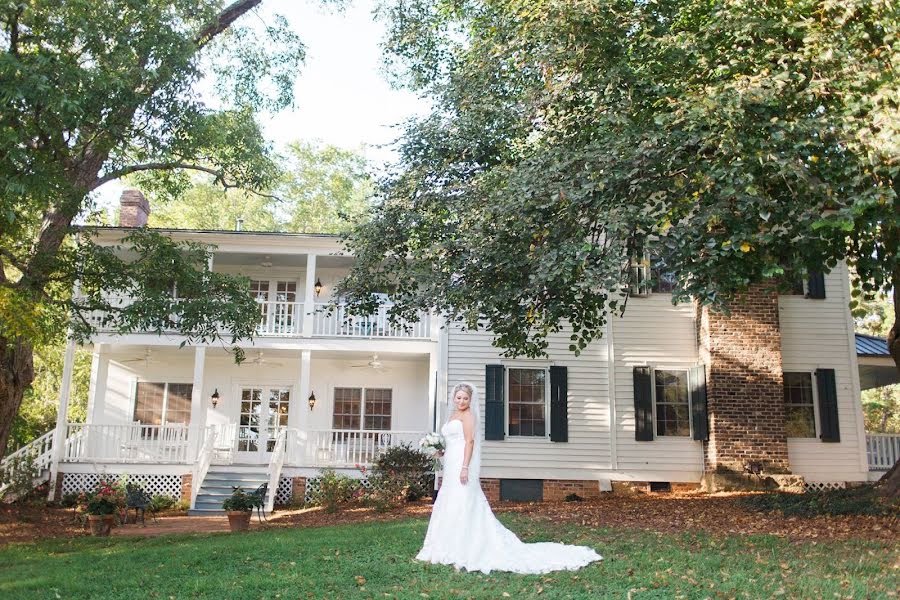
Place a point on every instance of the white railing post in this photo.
(59, 438)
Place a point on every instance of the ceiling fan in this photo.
(267, 262)
(259, 360)
(372, 364)
(144, 359)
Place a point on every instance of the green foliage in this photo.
(161, 502)
(881, 406)
(205, 206)
(107, 498)
(239, 501)
(18, 475)
(326, 189)
(736, 142)
(334, 490)
(412, 466)
(37, 415)
(863, 500)
(69, 500)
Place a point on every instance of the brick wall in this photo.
(133, 209)
(742, 354)
(186, 487)
(298, 490)
(491, 489)
(556, 490)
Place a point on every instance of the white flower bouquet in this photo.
(432, 442)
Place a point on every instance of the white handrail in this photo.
(201, 466)
(280, 317)
(337, 321)
(276, 462)
(128, 443)
(882, 450)
(41, 452)
(345, 447)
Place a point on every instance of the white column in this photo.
(99, 379)
(309, 296)
(433, 367)
(301, 417)
(198, 404)
(59, 436)
(611, 382)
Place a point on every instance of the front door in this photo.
(264, 413)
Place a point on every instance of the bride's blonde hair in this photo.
(461, 386)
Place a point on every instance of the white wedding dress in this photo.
(464, 532)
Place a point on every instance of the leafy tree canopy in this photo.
(735, 141)
(94, 90)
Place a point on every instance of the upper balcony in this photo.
(292, 277)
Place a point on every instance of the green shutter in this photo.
(493, 402)
(643, 405)
(699, 416)
(559, 406)
(816, 285)
(828, 408)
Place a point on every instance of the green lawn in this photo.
(330, 562)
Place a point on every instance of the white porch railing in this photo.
(882, 450)
(280, 318)
(131, 443)
(276, 462)
(201, 465)
(40, 451)
(340, 323)
(343, 447)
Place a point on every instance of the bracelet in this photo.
(466, 467)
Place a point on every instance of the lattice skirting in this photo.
(312, 485)
(155, 485)
(821, 486)
(285, 492)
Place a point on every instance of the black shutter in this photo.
(643, 405)
(559, 406)
(699, 416)
(828, 408)
(816, 285)
(493, 402)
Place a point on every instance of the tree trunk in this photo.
(890, 482)
(16, 374)
(891, 479)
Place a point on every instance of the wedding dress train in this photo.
(464, 532)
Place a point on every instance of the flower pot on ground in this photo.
(239, 507)
(101, 524)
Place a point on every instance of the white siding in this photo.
(588, 448)
(817, 334)
(653, 333)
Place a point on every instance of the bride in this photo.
(463, 530)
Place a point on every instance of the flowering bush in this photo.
(107, 498)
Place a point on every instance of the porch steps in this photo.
(219, 483)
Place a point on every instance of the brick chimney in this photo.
(133, 209)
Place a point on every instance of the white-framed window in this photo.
(649, 275)
(671, 403)
(799, 405)
(158, 403)
(527, 403)
(366, 409)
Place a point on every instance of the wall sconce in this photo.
(312, 400)
(215, 397)
(318, 286)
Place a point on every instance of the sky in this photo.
(342, 96)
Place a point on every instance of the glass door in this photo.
(263, 414)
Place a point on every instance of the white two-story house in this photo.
(670, 396)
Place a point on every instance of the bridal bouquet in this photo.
(432, 442)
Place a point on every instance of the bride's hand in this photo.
(464, 476)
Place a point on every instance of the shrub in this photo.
(851, 501)
(69, 500)
(161, 502)
(107, 498)
(239, 501)
(19, 476)
(386, 490)
(412, 467)
(334, 490)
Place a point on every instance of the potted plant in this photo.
(101, 507)
(239, 508)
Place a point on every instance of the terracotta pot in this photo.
(101, 524)
(239, 520)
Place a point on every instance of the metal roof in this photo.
(869, 345)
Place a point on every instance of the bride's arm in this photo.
(468, 424)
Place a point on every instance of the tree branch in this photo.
(224, 20)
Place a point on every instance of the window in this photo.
(673, 412)
(161, 403)
(350, 412)
(650, 275)
(799, 408)
(527, 402)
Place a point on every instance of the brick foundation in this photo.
(298, 490)
(186, 487)
(556, 490)
(742, 354)
(58, 487)
(491, 489)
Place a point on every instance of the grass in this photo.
(375, 561)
